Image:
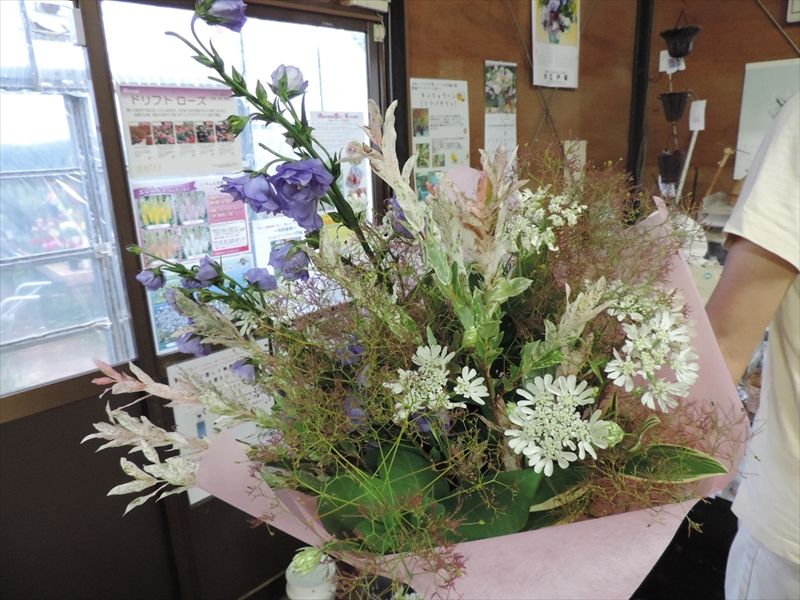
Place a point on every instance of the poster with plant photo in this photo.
(556, 42)
(439, 128)
(500, 101)
(178, 132)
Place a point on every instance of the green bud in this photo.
(236, 123)
(614, 433)
(134, 249)
(306, 560)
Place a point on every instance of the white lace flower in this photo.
(549, 428)
(568, 392)
(470, 386)
(621, 371)
(537, 390)
(664, 393)
(660, 341)
(423, 390)
(685, 367)
(435, 356)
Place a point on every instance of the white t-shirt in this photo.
(768, 214)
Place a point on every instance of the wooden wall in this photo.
(735, 32)
(452, 38)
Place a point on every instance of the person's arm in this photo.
(753, 283)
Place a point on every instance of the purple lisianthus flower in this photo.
(255, 191)
(206, 274)
(299, 186)
(398, 218)
(189, 343)
(228, 13)
(169, 296)
(244, 369)
(426, 421)
(289, 262)
(354, 411)
(235, 186)
(350, 353)
(261, 278)
(287, 82)
(152, 279)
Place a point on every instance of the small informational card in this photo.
(342, 132)
(500, 102)
(195, 421)
(439, 129)
(178, 132)
(556, 42)
(697, 115)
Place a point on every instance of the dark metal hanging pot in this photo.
(680, 40)
(670, 165)
(674, 104)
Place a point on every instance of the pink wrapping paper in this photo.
(598, 558)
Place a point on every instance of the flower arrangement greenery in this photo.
(501, 357)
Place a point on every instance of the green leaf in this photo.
(429, 334)
(668, 463)
(408, 472)
(561, 481)
(335, 216)
(340, 502)
(377, 535)
(438, 261)
(499, 507)
(505, 289)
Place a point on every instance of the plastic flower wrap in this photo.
(473, 369)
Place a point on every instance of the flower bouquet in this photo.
(448, 384)
(557, 17)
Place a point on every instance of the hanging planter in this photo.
(674, 104)
(680, 40)
(670, 165)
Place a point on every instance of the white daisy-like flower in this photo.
(568, 391)
(664, 393)
(549, 429)
(685, 367)
(433, 356)
(537, 390)
(470, 386)
(602, 434)
(621, 371)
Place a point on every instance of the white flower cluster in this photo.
(425, 389)
(540, 214)
(549, 425)
(660, 341)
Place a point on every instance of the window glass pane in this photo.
(52, 35)
(49, 296)
(140, 53)
(334, 61)
(62, 297)
(13, 44)
(35, 133)
(43, 214)
(28, 366)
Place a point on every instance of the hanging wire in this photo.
(778, 26)
(547, 116)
